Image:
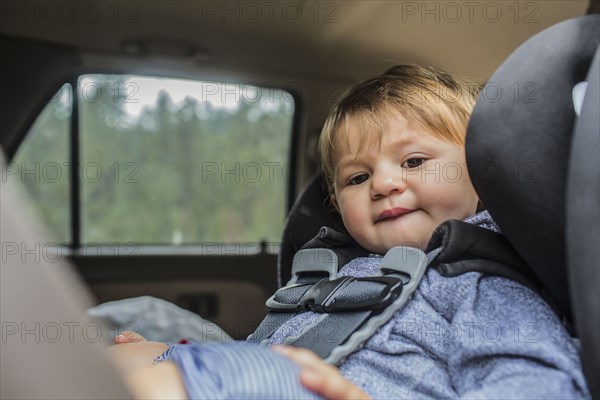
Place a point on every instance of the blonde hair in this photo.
(433, 99)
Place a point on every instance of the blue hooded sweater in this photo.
(467, 336)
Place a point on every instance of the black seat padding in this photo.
(309, 213)
(518, 148)
(583, 226)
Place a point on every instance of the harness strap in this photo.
(352, 308)
(309, 267)
(353, 329)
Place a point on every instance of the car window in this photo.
(167, 161)
(42, 164)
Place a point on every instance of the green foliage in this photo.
(190, 172)
(42, 164)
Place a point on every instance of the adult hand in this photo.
(129, 357)
(161, 381)
(320, 377)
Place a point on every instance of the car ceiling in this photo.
(344, 39)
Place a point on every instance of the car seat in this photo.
(583, 226)
(518, 153)
(527, 138)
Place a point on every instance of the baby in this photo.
(393, 158)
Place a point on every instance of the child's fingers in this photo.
(129, 337)
(120, 339)
(321, 377)
(304, 358)
(331, 386)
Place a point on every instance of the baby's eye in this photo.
(413, 162)
(358, 179)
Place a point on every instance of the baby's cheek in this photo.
(352, 222)
(352, 209)
(449, 206)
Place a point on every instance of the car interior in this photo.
(169, 148)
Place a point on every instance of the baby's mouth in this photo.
(392, 214)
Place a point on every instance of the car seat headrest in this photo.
(309, 213)
(583, 227)
(518, 144)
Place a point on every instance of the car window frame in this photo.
(75, 247)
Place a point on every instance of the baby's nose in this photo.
(386, 184)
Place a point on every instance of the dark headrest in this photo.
(309, 213)
(518, 144)
(583, 227)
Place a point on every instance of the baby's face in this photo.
(397, 191)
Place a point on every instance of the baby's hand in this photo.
(321, 377)
(129, 337)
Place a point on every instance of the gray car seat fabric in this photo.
(583, 226)
(157, 320)
(518, 148)
(518, 144)
(49, 349)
